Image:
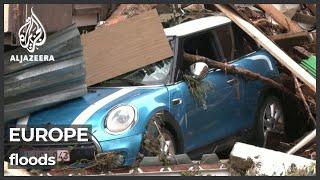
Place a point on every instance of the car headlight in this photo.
(120, 119)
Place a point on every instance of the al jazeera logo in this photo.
(32, 36)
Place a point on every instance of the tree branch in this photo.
(299, 91)
(237, 70)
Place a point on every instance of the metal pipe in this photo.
(303, 142)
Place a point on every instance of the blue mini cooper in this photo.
(154, 107)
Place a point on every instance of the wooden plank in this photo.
(301, 52)
(280, 18)
(288, 40)
(270, 46)
(113, 50)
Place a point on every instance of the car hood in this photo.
(79, 111)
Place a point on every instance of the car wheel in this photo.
(270, 119)
(157, 140)
(167, 144)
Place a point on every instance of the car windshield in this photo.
(153, 74)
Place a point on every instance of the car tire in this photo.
(154, 142)
(270, 118)
(169, 142)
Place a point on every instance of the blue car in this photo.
(156, 104)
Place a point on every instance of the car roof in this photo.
(196, 25)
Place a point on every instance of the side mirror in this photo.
(199, 70)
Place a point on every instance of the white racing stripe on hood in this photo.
(87, 113)
(23, 121)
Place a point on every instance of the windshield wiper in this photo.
(131, 82)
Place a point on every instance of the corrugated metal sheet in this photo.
(61, 44)
(31, 86)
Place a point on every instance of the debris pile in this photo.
(288, 32)
(251, 160)
(290, 28)
(297, 45)
(178, 165)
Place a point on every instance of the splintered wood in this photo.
(120, 48)
(280, 18)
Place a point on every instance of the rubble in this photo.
(268, 162)
(14, 172)
(293, 41)
(198, 8)
(179, 165)
(303, 142)
(265, 42)
(303, 18)
(280, 18)
(125, 11)
(133, 36)
(302, 97)
(288, 40)
(288, 10)
(301, 52)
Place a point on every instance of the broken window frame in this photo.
(235, 34)
(227, 27)
(251, 42)
(180, 48)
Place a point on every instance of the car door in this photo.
(219, 118)
(221, 112)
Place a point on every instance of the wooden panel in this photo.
(270, 46)
(288, 40)
(133, 43)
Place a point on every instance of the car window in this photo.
(234, 42)
(201, 44)
(244, 44)
(155, 73)
(224, 34)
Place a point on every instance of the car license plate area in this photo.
(61, 155)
